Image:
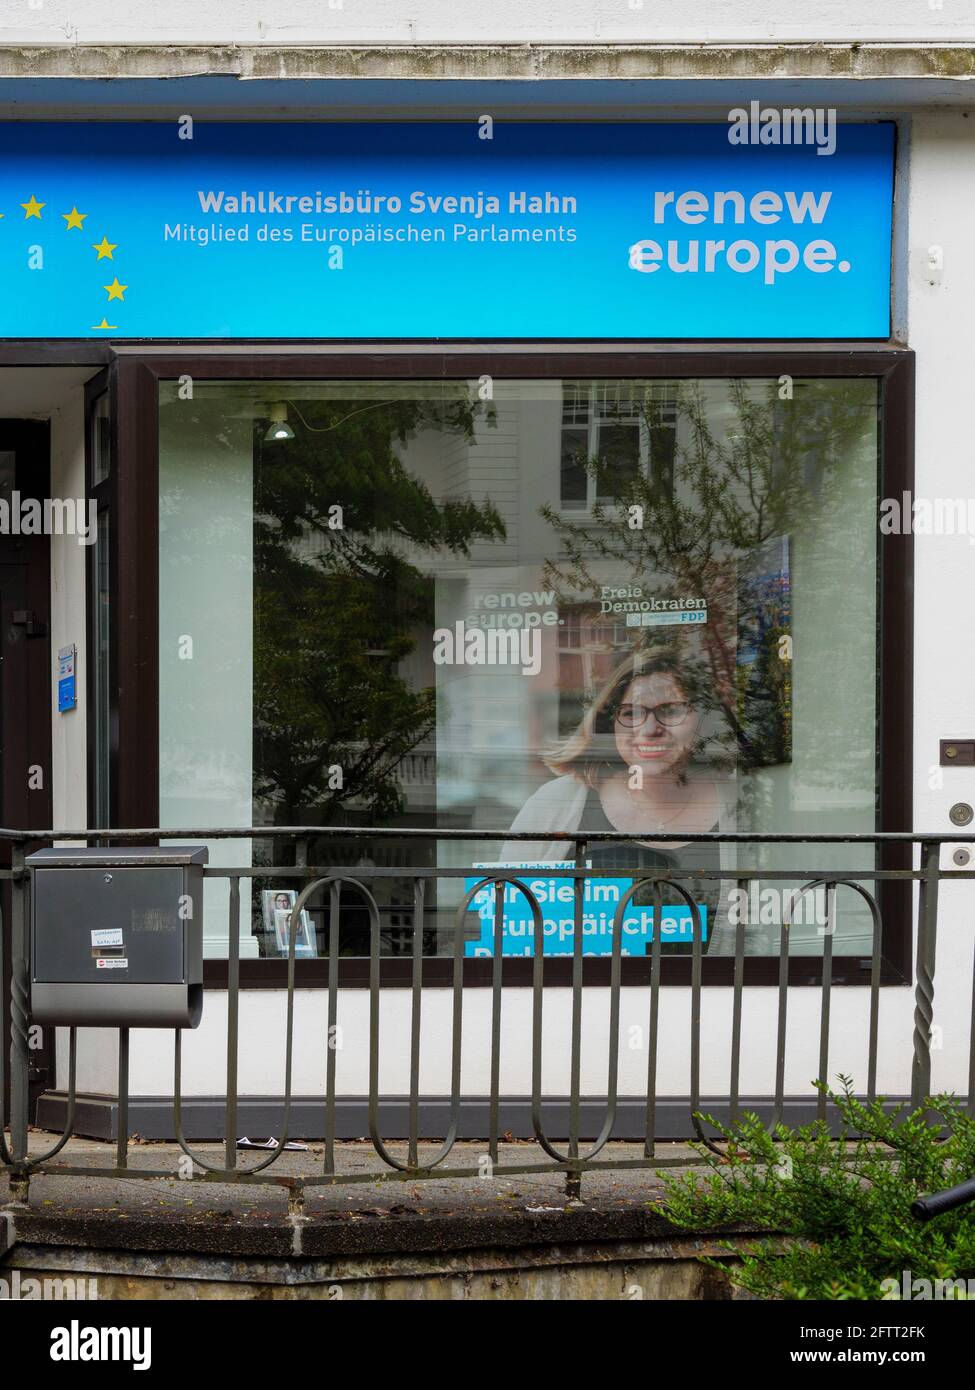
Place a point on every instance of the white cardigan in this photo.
(558, 806)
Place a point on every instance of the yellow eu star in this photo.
(105, 248)
(74, 218)
(33, 208)
(115, 290)
(104, 324)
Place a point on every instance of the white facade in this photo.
(506, 21)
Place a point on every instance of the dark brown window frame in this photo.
(103, 495)
(136, 372)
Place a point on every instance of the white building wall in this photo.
(69, 766)
(941, 208)
(469, 21)
(262, 1057)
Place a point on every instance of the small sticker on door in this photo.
(111, 963)
(107, 936)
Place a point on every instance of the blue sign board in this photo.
(424, 230)
(555, 898)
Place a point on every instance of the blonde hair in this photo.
(590, 751)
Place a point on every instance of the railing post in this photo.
(19, 1032)
(233, 1024)
(927, 943)
(573, 1177)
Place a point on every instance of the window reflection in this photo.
(411, 605)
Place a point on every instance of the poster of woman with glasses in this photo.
(655, 752)
(631, 766)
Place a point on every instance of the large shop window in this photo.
(578, 605)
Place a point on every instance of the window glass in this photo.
(580, 605)
(100, 439)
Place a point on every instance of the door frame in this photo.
(26, 561)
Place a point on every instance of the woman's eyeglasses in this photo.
(671, 713)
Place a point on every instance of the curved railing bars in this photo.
(31, 1162)
(573, 1156)
(697, 948)
(497, 960)
(289, 1041)
(412, 1164)
(831, 884)
(68, 1128)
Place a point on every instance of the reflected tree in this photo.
(341, 528)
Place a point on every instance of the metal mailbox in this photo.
(117, 936)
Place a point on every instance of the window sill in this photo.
(397, 972)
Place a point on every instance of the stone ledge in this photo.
(353, 1233)
(525, 62)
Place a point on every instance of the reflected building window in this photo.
(613, 434)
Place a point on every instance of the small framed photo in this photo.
(277, 906)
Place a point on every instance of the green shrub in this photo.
(837, 1206)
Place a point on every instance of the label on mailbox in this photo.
(112, 963)
(107, 936)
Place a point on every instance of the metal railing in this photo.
(574, 1156)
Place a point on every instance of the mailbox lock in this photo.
(108, 878)
(961, 813)
(961, 856)
(957, 752)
